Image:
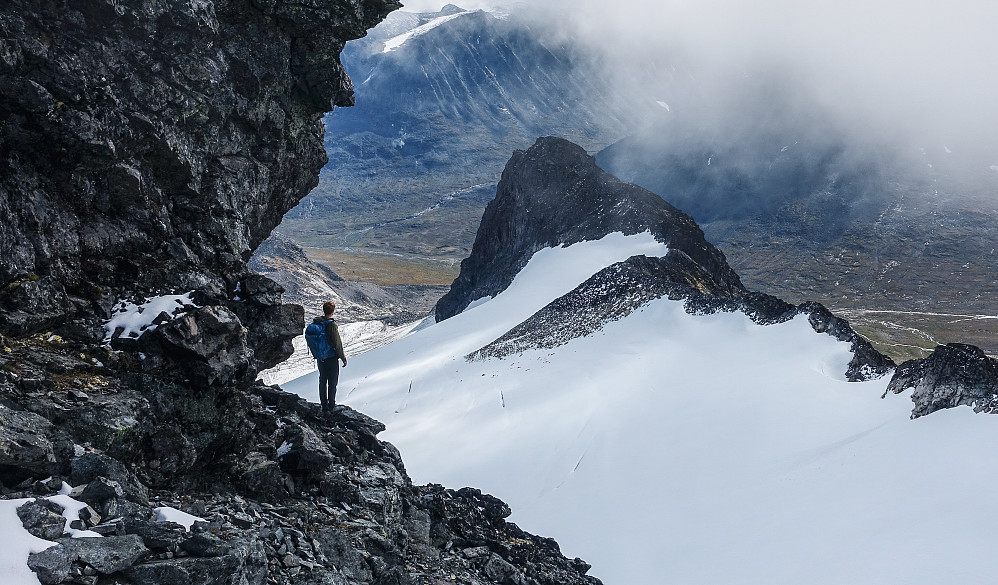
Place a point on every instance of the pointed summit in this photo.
(553, 194)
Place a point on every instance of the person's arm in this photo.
(333, 337)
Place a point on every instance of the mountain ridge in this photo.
(554, 194)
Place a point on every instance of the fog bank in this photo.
(916, 73)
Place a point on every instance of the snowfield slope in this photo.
(670, 447)
(673, 448)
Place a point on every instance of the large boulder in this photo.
(42, 519)
(211, 342)
(106, 555)
(30, 446)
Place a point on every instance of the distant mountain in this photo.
(903, 240)
(442, 99)
(614, 381)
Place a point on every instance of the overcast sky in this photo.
(929, 64)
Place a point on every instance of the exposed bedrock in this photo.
(554, 194)
(288, 494)
(953, 375)
(147, 147)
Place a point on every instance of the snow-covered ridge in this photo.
(549, 274)
(669, 447)
(396, 42)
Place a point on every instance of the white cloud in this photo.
(885, 64)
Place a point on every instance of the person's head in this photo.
(328, 307)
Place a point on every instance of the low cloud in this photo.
(921, 72)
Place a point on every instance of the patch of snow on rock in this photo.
(71, 512)
(137, 319)
(168, 514)
(18, 543)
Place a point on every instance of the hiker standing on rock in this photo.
(323, 338)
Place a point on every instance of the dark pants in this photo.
(329, 375)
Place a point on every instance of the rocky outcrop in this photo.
(620, 289)
(287, 494)
(554, 194)
(954, 374)
(147, 148)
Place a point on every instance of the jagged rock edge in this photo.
(677, 277)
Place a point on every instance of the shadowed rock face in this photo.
(554, 194)
(148, 148)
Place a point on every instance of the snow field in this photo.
(18, 544)
(671, 448)
(357, 337)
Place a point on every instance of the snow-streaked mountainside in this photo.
(669, 447)
(397, 41)
(804, 206)
(413, 164)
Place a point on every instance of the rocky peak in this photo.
(554, 194)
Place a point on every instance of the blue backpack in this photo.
(315, 337)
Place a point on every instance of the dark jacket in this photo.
(332, 335)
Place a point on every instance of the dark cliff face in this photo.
(148, 147)
(554, 194)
